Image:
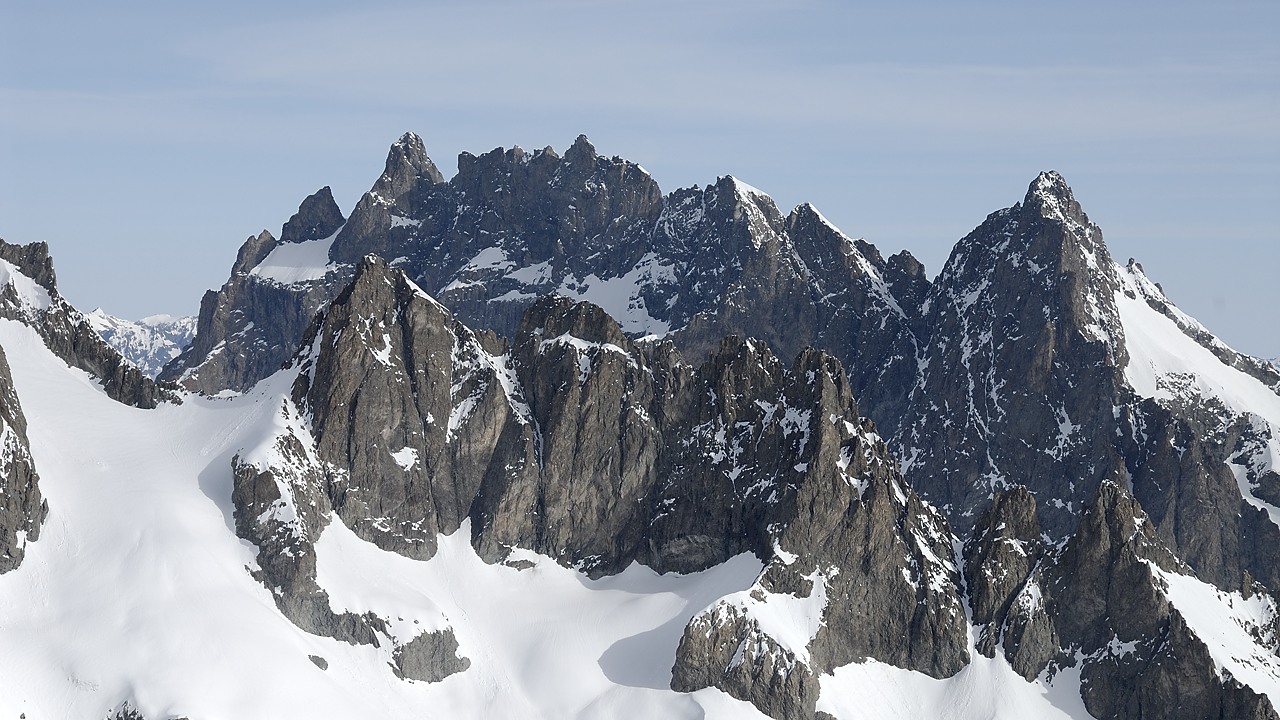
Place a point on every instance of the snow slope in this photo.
(987, 688)
(138, 589)
(1160, 353)
(1168, 366)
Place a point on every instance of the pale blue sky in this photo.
(145, 141)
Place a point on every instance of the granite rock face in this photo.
(572, 440)
(22, 508)
(407, 410)
(251, 326)
(281, 503)
(863, 568)
(1027, 381)
(1024, 352)
(1115, 599)
(1005, 547)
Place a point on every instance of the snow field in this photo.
(139, 590)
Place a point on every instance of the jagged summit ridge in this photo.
(697, 263)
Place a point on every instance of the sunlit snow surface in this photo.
(986, 688)
(138, 590)
(1231, 628)
(1159, 350)
(290, 263)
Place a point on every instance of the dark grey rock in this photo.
(408, 407)
(1023, 384)
(22, 508)
(1097, 599)
(511, 226)
(851, 536)
(1024, 341)
(281, 508)
(318, 217)
(276, 510)
(1003, 550)
(254, 250)
(728, 650)
(1001, 384)
(429, 657)
(576, 442)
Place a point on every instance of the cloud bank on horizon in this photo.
(144, 143)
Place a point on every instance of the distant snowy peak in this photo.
(149, 343)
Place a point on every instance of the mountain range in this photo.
(540, 440)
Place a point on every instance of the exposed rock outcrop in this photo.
(281, 506)
(1026, 381)
(1025, 351)
(1116, 599)
(22, 508)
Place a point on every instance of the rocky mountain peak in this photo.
(581, 151)
(1116, 522)
(318, 217)
(253, 251)
(29, 295)
(407, 168)
(760, 211)
(1052, 197)
(371, 271)
(1025, 336)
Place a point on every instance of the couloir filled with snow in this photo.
(139, 591)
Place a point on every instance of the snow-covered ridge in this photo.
(1160, 350)
(1170, 366)
(27, 290)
